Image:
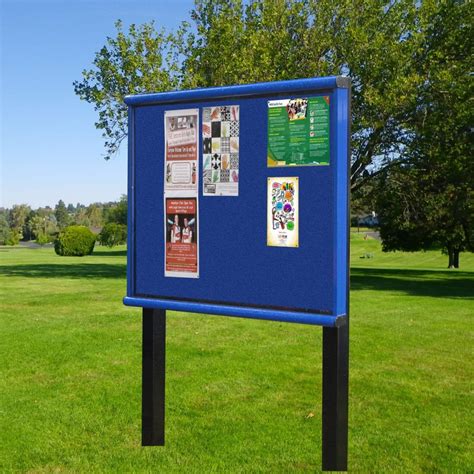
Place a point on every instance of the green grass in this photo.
(242, 395)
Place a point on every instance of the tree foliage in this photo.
(43, 225)
(118, 213)
(61, 214)
(17, 220)
(5, 231)
(113, 234)
(370, 41)
(131, 63)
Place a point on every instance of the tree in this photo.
(61, 214)
(424, 208)
(233, 42)
(81, 217)
(430, 200)
(118, 212)
(113, 234)
(94, 215)
(43, 225)
(128, 64)
(403, 58)
(17, 220)
(5, 232)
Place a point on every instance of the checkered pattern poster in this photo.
(220, 148)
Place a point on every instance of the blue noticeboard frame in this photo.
(314, 287)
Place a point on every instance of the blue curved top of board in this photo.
(261, 88)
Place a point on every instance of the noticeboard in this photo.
(238, 200)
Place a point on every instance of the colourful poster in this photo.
(220, 148)
(181, 248)
(298, 132)
(282, 212)
(181, 152)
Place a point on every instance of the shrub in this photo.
(43, 238)
(113, 234)
(75, 240)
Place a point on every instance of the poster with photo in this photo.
(181, 239)
(181, 152)
(282, 212)
(220, 148)
(298, 132)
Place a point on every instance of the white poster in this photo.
(181, 152)
(282, 212)
(220, 145)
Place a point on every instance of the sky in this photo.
(49, 147)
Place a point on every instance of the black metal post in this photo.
(153, 377)
(335, 397)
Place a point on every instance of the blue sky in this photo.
(49, 148)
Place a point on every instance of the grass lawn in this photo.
(242, 395)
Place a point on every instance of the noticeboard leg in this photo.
(335, 397)
(153, 377)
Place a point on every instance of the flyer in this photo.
(181, 152)
(181, 239)
(220, 148)
(298, 132)
(282, 212)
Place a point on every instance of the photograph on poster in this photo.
(298, 132)
(181, 229)
(282, 212)
(181, 151)
(220, 147)
(296, 109)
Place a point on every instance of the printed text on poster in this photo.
(282, 212)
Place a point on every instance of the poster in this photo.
(298, 132)
(181, 239)
(181, 193)
(181, 152)
(220, 148)
(282, 212)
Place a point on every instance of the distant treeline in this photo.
(22, 223)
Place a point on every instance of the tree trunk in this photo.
(453, 255)
(456, 259)
(450, 257)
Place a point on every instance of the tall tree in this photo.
(17, 219)
(61, 214)
(430, 200)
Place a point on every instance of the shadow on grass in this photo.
(76, 270)
(110, 253)
(445, 284)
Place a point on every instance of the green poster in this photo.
(298, 132)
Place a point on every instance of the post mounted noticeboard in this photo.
(238, 206)
(238, 201)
